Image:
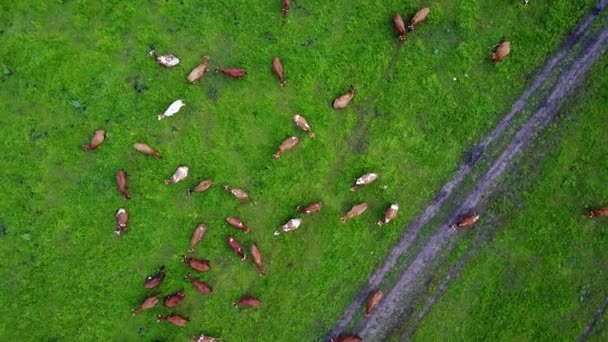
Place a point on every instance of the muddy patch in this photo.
(37, 135)
(473, 155)
(269, 37)
(138, 84)
(213, 94)
(3, 229)
(309, 42)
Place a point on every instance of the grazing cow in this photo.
(180, 174)
(172, 110)
(248, 301)
(98, 137)
(174, 319)
(286, 4)
(277, 67)
(351, 338)
(199, 265)
(599, 212)
(168, 60)
(238, 193)
(466, 221)
(501, 51)
(236, 247)
(197, 236)
(156, 279)
(121, 182)
(311, 208)
(122, 221)
(399, 27)
(201, 187)
(203, 338)
(257, 259)
(372, 301)
(287, 144)
(175, 299)
(198, 72)
(202, 287)
(419, 17)
(292, 224)
(301, 122)
(232, 72)
(354, 211)
(149, 303)
(364, 180)
(390, 214)
(146, 149)
(237, 223)
(343, 100)
(526, 2)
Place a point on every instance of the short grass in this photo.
(544, 274)
(70, 67)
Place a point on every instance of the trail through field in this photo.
(380, 322)
(597, 316)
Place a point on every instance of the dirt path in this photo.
(597, 316)
(388, 309)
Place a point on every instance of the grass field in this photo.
(70, 67)
(544, 274)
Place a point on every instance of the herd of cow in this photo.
(202, 265)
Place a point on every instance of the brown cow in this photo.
(287, 144)
(354, 211)
(180, 174)
(237, 223)
(419, 17)
(121, 182)
(466, 221)
(501, 51)
(197, 236)
(301, 122)
(149, 303)
(238, 193)
(372, 301)
(236, 247)
(257, 259)
(364, 180)
(232, 72)
(292, 224)
(200, 265)
(311, 208)
(203, 338)
(286, 4)
(343, 100)
(175, 299)
(198, 72)
(201, 187)
(98, 138)
(399, 27)
(277, 67)
(351, 338)
(174, 319)
(202, 287)
(168, 60)
(599, 212)
(390, 214)
(248, 301)
(156, 279)
(146, 149)
(122, 221)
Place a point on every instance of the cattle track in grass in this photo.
(379, 323)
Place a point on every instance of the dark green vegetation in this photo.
(543, 275)
(70, 68)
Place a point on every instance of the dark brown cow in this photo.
(122, 221)
(501, 51)
(286, 4)
(156, 279)
(399, 27)
(599, 212)
(277, 67)
(98, 138)
(202, 287)
(175, 299)
(149, 303)
(354, 211)
(198, 72)
(236, 247)
(257, 259)
(237, 223)
(419, 17)
(197, 236)
(201, 187)
(311, 208)
(390, 214)
(232, 72)
(287, 144)
(174, 319)
(372, 301)
(248, 301)
(238, 193)
(466, 222)
(121, 182)
(200, 265)
(343, 100)
(146, 149)
(351, 338)
(301, 122)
